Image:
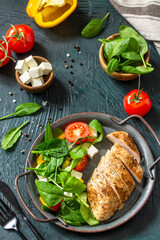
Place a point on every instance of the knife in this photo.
(9, 195)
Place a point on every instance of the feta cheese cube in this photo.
(43, 180)
(36, 82)
(92, 151)
(25, 78)
(76, 174)
(46, 67)
(31, 62)
(68, 194)
(35, 72)
(21, 66)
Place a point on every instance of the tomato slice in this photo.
(77, 130)
(57, 207)
(82, 164)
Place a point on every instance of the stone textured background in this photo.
(93, 91)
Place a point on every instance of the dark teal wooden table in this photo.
(93, 91)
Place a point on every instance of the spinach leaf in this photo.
(40, 170)
(95, 124)
(53, 165)
(73, 185)
(113, 65)
(12, 137)
(131, 56)
(48, 132)
(70, 211)
(53, 148)
(77, 154)
(87, 214)
(132, 46)
(64, 177)
(93, 27)
(50, 193)
(137, 70)
(116, 47)
(24, 109)
(126, 31)
(57, 132)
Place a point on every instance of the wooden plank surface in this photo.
(93, 91)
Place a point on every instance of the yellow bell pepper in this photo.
(39, 160)
(50, 16)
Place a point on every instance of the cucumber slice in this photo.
(86, 145)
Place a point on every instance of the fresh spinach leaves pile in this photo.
(75, 209)
(127, 52)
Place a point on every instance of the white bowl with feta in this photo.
(34, 74)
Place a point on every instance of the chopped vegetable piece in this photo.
(77, 130)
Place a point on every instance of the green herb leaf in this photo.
(87, 214)
(53, 148)
(93, 27)
(50, 193)
(11, 137)
(126, 31)
(48, 133)
(131, 56)
(57, 132)
(95, 124)
(116, 47)
(137, 70)
(77, 154)
(73, 185)
(113, 65)
(24, 109)
(70, 211)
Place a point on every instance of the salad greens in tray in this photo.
(61, 158)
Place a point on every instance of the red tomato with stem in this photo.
(20, 38)
(5, 53)
(77, 130)
(57, 207)
(82, 164)
(137, 102)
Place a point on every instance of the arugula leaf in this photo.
(87, 214)
(48, 132)
(77, 154)
(12, 137)
(93, 27)
(95, 124)
(73, 185)
(70, 211)
(50, 193)
(24, 109)
(53, 148)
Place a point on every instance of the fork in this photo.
(8, 219)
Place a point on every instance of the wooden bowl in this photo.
(47, 79)
(117, 75)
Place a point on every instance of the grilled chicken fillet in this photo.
(126, 141)
(131, 164)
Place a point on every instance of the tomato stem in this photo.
(5, 50)
(18, 36)
(137, 97)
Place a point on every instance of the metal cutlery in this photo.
(8, 219)
(9, 195)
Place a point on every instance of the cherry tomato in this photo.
(2, 54)
(141, 107)
(82, 164)
(77, 130)
(57, 207)
(23, 39)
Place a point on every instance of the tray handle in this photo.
(150, 129)
(25, 206)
